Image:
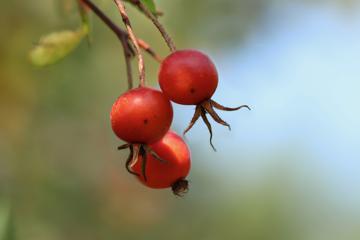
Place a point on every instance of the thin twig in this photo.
(156, 22)
(123, 37)
(134, 40)
(118, 31)
(121, 34)
(128, 54)
(148, 49)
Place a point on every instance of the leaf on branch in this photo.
(64, 7)
(85, 19)
(55, 46)
(149, 4)
(6, 223)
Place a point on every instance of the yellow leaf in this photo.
(55, 46)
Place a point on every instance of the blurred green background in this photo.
(289, 169)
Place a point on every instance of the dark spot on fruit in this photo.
(146, 121)
(192, 90)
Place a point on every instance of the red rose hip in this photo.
(188, 77)
(141, 115)
(172, 171)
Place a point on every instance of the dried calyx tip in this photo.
(180, 187)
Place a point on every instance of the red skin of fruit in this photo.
(141, 115)
(188, 77)
(175, 152)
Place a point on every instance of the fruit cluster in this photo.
(142, 117)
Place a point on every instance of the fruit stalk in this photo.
(126, 20)
(156, 22)
(123, 37)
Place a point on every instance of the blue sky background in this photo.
(300, 72)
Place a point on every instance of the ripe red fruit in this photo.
(171, 173)
(141, 115)
(188, 77)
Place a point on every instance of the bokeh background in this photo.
(289, 169)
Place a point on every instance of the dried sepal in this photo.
(136, 151)
(223, 108)
(208, 125)
(180, 187)
(124, 146)
(128, 162)
(194, 118)
(150, 151)
(208, 107)
(143, 155)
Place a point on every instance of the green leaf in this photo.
(85, 19)
(64, 7)
(55, 46)
(150, 4)
(6, 223)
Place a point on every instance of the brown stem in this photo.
(156, 22)
(128, 71)
(131, 34)
(123, 37)
(144, 45)
(148, 49)
(121, 34)
(118, 31)
(128, 54)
